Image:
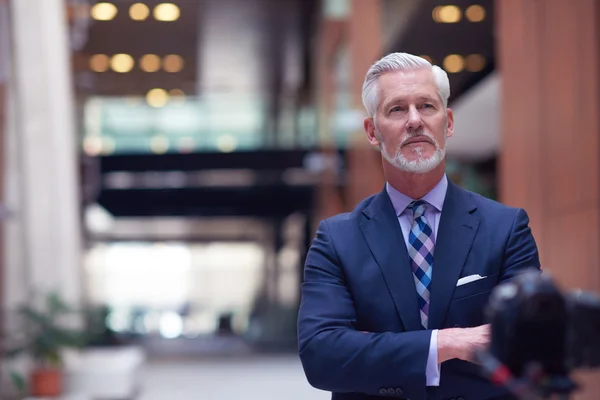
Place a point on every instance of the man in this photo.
(394, 292)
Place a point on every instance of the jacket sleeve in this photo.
(521, 251)
(338, 358)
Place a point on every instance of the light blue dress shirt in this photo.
(435, 198)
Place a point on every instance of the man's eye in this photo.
(396, 109)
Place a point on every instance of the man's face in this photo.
(411, 124)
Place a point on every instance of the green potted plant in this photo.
(46, 331)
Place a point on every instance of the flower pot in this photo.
(46, 382)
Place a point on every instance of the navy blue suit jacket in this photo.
(359, 329)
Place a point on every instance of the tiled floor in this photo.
(249, 378)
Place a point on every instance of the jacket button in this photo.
(383, 392)
(391, 392)
(399, 392)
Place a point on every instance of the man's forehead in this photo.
(404, 97)
(401, 86)
(407, 85)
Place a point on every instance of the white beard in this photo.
(421, 165)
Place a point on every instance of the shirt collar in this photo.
(435, 197)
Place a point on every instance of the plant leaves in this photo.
(56, 305)
(18, 380)
(44, 332)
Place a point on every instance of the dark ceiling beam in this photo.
(255, 160)
(274, 201)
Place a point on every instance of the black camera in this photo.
(539, 336)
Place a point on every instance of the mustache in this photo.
(417, 133)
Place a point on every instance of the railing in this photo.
(178, 124)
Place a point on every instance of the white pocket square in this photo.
(468, 279)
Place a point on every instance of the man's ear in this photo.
(370, 130)
(449, 122)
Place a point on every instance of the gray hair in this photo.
(400, 62)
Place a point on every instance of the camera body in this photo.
(540, 335)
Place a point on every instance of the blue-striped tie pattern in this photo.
(421, 243)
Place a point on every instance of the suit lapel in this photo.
(383, 235)
(456, 232)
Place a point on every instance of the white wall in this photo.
(477, 121)
(43, 237)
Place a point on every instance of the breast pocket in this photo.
(468, 304)
(473, 288)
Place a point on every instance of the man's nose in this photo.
(414, 120)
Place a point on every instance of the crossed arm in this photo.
(338, 358)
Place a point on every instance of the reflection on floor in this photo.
(250, 378)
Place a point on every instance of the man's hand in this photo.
(461, 343)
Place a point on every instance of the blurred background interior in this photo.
(164, 165)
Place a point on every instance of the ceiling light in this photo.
(475, 13)
(177, 96)
(475, 62)
(173, 63)
(99, 63)
(176, 92)
(103, 11)
(122, 63)
(108, 146)
(159, 144)
(92, 145)
(167, 12)
(139, 12)
(226, 143)
(435, 14)
(446, 14)
(454, 63)
(97, 145)
(186, 144)
(150, 63)
(157, 98)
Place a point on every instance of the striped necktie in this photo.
(420, 250)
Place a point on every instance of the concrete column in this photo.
(42, 187)
(365, 46)
(332, 25)
(548, 57)
(351, 27)
(4, 30)
(550, 156)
